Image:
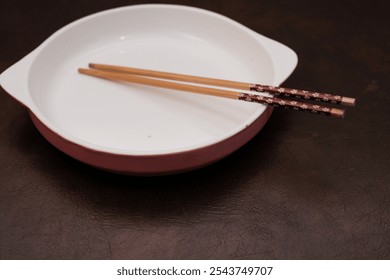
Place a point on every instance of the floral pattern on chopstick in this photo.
(303, 94)
(287, 104)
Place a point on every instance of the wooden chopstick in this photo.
(277, 102)
(279, 91)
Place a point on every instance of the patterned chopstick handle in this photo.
(303, 94)
(294, 105)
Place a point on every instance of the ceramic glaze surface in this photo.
(141, 119)
(133, 120)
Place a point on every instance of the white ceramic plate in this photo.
(81, 114)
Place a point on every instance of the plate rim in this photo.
(69, 137)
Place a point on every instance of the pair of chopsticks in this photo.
(174, 81)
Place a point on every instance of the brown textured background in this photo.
(306, 187)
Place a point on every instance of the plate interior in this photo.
(140, 119)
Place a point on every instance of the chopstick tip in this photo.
(348, 101)
(337, 112)
(82, 70)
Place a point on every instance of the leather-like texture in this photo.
(306, 187)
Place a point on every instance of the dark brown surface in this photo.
(306, 187)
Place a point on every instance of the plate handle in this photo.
(14, 80)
